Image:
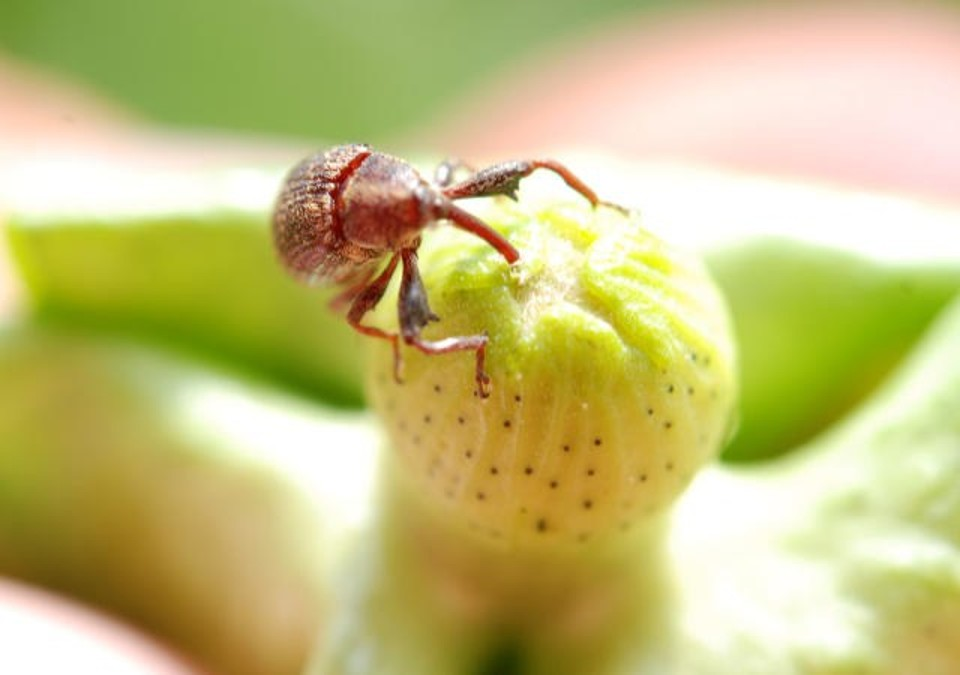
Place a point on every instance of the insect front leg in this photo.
(504, 179)
(415, 314)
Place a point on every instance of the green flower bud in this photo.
(612, 370)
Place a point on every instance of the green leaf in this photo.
(185, 260)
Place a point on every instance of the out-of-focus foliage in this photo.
(320, 68)
(155, 488)
(203, 279)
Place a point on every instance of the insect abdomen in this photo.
(306, 227)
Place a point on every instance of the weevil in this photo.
(342, 212)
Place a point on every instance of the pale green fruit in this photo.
(612, 370)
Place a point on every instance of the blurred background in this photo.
(307, 68)
(857, 95)
(863, 92)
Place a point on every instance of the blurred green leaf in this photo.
(203, 509)
(818, 327)
(320, 68)
(185, 260)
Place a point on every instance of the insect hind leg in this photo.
(355, 284)
(365, 299)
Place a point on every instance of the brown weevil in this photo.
(341, 213)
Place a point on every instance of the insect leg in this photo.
(366, 300)
(355, 284)
(445, 171)
(504, 179)
(415, 314)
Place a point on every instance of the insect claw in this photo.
(483, 380)
(483, 386)
(397, 362)
(611, 205)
